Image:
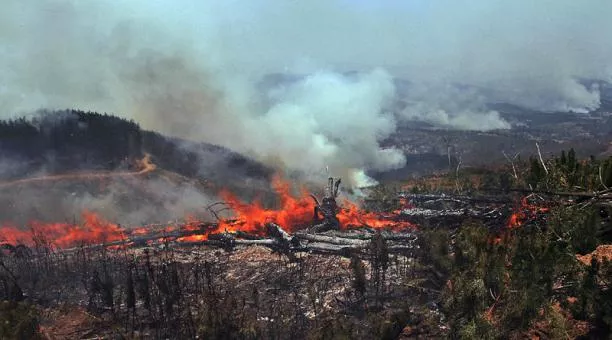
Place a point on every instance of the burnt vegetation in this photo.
(479, 279)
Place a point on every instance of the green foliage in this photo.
(536, 175)
(603, 311)
(558, 325)
(77, 138)
(477, 328)
(393, 325)
(435, 253)
(595, 297)
(18, 321)
(477, 276)
(578, 227)
(506, 288)
(506, 181)
(489, 181)
(531, 278)
(607, 172)
(567, 172)
(498, 288)
(385, 197)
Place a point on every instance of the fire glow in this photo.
(526, 211)
(292, 214)
(92, 230)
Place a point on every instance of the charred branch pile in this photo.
(343, 243)
(449, 211)
(332, 242)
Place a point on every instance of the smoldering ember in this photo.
(305, 169)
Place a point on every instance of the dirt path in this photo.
(145, 164)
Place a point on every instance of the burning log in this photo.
(341, 243)
(332, 249)
(249, 228)
(229, 243)
(337, 243)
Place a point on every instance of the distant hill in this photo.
(70, 140)
(67, 140)
(186, 177)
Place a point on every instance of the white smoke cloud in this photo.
(191, 68)
(327, 119)
(451, 106)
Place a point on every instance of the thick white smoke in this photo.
(327, 119)
(450, 106)
(324, 119)
(191, 68)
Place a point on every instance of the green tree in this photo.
(477, 276)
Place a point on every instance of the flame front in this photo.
(93, 230)
(293, 213)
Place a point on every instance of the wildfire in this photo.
(293, 213)
(526, 211)
(93, 230)
(352, 216)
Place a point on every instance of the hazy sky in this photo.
(526, 51)
(190, 68)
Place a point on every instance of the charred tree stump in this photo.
(326, 211)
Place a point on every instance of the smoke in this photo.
(327, 119)
(131, 202)
(192, 69)
(451, 106)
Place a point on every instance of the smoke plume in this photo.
(131, 202)
(193, 69)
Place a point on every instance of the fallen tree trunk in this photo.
(578, 194)
(333, 242)
(330, 239)
(338, 237)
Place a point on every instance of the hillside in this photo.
(75, 160)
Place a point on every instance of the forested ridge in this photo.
(71, 140)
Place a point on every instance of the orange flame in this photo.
(292, 214)
(524, 212)
(93, 230)
(351, 216)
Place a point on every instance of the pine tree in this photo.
(607, 172)
(563, 160)
(571, 160)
